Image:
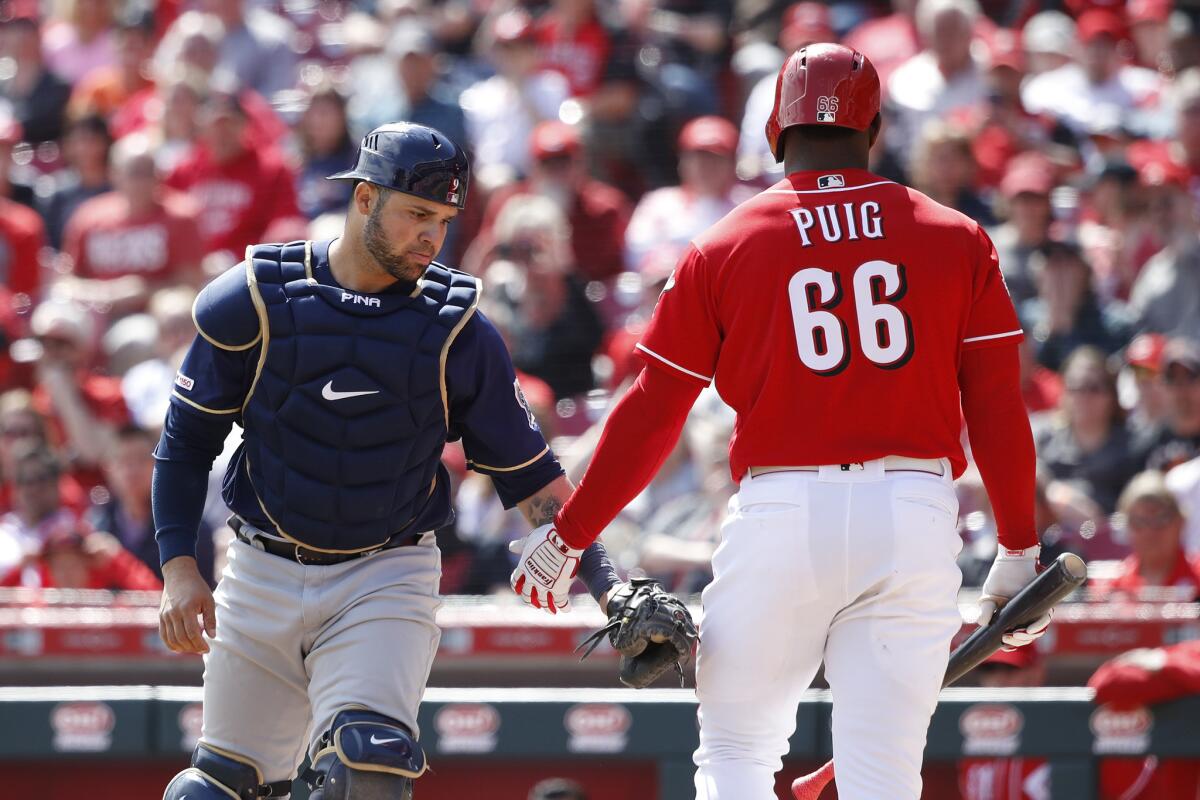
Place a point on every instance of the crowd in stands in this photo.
(144, 146)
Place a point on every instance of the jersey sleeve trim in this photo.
(457, 329)
(1017, 332)
(477, 466)
(670, 363)
(205, 409)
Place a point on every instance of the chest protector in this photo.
(347, 417)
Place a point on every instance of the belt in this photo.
(933, 466)
(305, 555)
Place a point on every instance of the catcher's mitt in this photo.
(651, 629)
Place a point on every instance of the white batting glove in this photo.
(545, 570)
(1010, 573)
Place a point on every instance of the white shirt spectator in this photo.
(19, 540)
(500, 118)
(259, 52)
(755, 158)
(1067, 94)
(667, 219)
(920, 92)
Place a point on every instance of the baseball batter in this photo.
(348, 364)
(846, 319)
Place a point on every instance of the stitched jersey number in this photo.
(884, 331)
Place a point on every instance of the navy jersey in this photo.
(485, 406)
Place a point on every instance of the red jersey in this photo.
(580, 54)
(832, 311)
(1184, 575)
(22, 235)
(238, 200)
(105, 241)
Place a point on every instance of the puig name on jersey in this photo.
(836, 222)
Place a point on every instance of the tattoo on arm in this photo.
(542, 509)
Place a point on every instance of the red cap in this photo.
(1146, 350)
(1029, 173)
(513, 26)
(554, 138)
(1097, 22)
(1148, 11)
(823, 84)
(1154, 165)
(1018, 658)
(805, 23)
(710, 134)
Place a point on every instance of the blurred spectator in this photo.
(85, 145)
(12, 187)
(23, 428)
(1154, 524)
(70, 558)
(168, 114)
(419, 96)
(82, 408)
(1117, 232)
(888, 41)
(804, 23)
(1178, 439)
(1146, 676)
(105, 90)
(325, 147)
(241, 187)
(550, 325)
(557, 789)
(1148, 405)
(1089, 445)
(1025, 191)
(574, 42)
(1165, 297)
(1151, 34)
(1067, 314)
(146, 387)
(943, 78)
(38, 96)
(22, 232)
(82, 41)
(597, 213)
(125, 511)
(123, 245)
(667, 219)
(1098, 85)
(1049, 40)
(1040, 387)
(501, 111)
(37, 507)
(256, 45)
(1015, 778)
(943, 167)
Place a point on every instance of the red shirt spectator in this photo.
(22, 236)
(598, 213)
(109, 238)
(574, 43)
(70, 560)
(1185, 575)
(240, 187)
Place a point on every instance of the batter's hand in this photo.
(185, 597)
(1010, 573)
(545, 569)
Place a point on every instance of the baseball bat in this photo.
(1065, 575)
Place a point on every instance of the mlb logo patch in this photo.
(830, 182)
(827, 107)
(452, 194)
(826, 116)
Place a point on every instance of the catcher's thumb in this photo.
(517, 546)
(987, 610)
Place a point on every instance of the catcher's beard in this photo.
(398, 266)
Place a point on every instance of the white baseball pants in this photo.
(853, 567)
(295, 644)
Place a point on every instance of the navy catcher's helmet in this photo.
(412, 159)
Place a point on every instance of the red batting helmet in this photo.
(823, 84)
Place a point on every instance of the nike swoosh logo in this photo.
(329, 393)
(383, 741)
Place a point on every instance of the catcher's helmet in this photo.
(412, 159)
(823, 84)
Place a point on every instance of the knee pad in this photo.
(365, 756)
(215, 775)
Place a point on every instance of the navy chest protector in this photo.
(347, 416)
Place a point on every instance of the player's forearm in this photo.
(177, 494)
(638, 437)
(1001, 441)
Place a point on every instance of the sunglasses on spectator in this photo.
(1181, 377)
(1087, 388)
(1150, 522)
(37, 477)
(517, 251)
